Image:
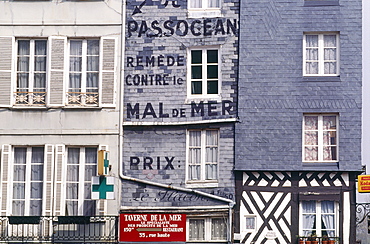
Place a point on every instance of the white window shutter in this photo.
(108, 72)
(6, 63)
(57, 67)
(6, 153)
(48, 180)
(60, 171)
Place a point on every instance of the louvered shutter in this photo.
(48, 180)
(57, 53)
(102, 203)
(60, 171)
(6, 151)
(6, 48)
(108, 73)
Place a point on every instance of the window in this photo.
(318, 218)
(203, 155)
(27, 181)
(204, 72)
(321, 54)
(204, 8)
(31, 72)
(320, 143)
(81, 166)
(83, 86)
(207, 229)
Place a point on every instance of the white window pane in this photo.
(19, 190)
(18, 208)
(312, 40)
(330, 40)
(194, 138)
(72, 191)
(36, 190)
(194, 172)
(35, 207)
(213, 3)
(195, 3)
(196, 229)
(211, 171)
(311, 154)
(71, 208)
(312, 68)
(312, 54)
(219, 229)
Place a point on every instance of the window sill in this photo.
(321, 78)
(318, 3)
(204, 13)
(321, 166)
(201, 184)
(205, 99)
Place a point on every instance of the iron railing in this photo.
(61, 229)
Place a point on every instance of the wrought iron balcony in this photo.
(30, 98)
(61, 229)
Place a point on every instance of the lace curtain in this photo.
(34, 184)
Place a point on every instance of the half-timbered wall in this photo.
(273, 199)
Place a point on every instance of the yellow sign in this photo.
(364, 183)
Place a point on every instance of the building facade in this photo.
(298, 146)
(180, 87)
(59, 78)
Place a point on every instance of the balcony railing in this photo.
(30, 98)
(61, 229)
(83, 98)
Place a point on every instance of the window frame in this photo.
(318, 220)
(321, 61)
(204, 79)
(205, 11)
(83, 97)
(31, 97)
(202, 182)
(27, 180)
(82, 182)
(207, 228)
(320, 145)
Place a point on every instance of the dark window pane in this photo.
(196, 56)
(196, 87)
(212, 56)
(212, 71)
(212, 87)
(196, 72)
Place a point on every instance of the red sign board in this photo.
(152, 227)
(364, 183)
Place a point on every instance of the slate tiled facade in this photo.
(276, 95)
(161, 111)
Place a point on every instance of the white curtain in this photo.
(219, 229)
(328, 217)
(92, 81)
(211, 154)
(37, 172)
(195, 3)
(36, 181)
(72, 176)
(308, 217)
(213, 3)
(196, 229)
(312, 54)
(40, 65)
(75, 66)
(89, 208)
(194, 154)
(23, 65)
(330, 54)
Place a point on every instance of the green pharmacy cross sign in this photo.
(102, 187)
